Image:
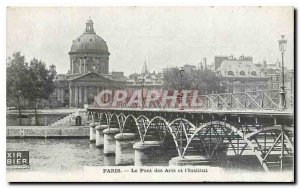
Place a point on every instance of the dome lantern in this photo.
(89, 26)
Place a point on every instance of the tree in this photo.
(40, 83)
(27, 81)
(16, 80)
(203, 80)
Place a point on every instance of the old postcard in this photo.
(150, 94)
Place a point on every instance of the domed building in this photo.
(89, 53)
(88, 73)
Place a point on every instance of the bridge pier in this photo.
(124, 148)
(99, 135)
(109, 147)
(93, 131)
(108, 160)
(190, 161)
(144, 151)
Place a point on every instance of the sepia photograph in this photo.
(150, 94)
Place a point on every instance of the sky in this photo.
(161, 36)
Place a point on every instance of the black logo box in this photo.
(17, 158)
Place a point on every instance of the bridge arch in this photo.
(209, 125)
(126, 120)
(179, 128)
(132, 119)
(114, 117)
(104, 118)
(142, 123)
(160, 129)
(250, 139)
(122, 118)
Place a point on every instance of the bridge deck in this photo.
(225, 112)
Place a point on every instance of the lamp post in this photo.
(181, 85)
(143, 83)
(282, 47)
(181, 108)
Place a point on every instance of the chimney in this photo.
(204, 60)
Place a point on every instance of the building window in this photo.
(230, 73)
(66, 91)
(242, 73)
(253, 73)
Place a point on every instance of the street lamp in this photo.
(181, 86)
(143, 83)
(282, 47)
(181, 108)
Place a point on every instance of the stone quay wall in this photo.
(47, 132)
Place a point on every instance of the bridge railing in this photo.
(253, 100)
(241, 101)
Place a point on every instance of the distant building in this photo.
(188, 69)
(145, 79)
(290, 87)
(239, 74)
(273, 72)
(118, 76)
(88, 74)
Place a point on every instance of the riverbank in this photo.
(47, 132)
(45, 111)
(45, 117)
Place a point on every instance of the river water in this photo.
(58, 155)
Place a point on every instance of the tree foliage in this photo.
(40, 82)
(203, 80)
(16, 78)
(31, 81)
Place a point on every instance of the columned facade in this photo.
(85, 95)
(83, 89)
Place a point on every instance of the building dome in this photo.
(89, 42)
